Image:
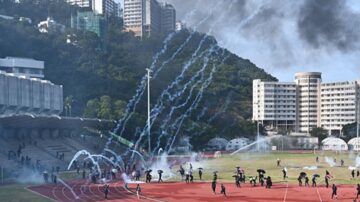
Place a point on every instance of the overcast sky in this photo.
(284, 36)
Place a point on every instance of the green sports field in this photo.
(294, 162)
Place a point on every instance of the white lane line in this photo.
(286, 191)
(317, 190)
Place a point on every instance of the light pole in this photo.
(148, 107)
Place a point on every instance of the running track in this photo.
(200, 191)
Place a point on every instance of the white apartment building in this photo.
(306, 103)
(144, 17)
(22, 67)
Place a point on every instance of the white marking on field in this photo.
(286, 191)
(317, 190)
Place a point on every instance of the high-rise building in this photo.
(145, 17)
(89, 21)
(101, 7)
(306, 103)
(27, 67)
(168, 18)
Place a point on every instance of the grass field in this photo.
(19, 193)
(294, 162)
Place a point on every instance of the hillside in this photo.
(211, 98)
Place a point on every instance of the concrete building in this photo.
(168, 18)
(146, 17)
(306, 103)
(22, 67)
(274, 104)
(23, 95)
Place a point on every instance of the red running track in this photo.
(200, 191)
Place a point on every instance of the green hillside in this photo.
(102, 76)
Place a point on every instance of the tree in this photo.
(92, 108)
(68, 104)
(320, 133)
(105, 108)
(119, 108)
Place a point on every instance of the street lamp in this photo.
(148, 107)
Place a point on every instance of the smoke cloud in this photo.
(278, 35)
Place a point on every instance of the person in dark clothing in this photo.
(313, 181)
(200, 174)
(300, 180)
(357, 173)
(358, 191)
(353, 173)
(83, 174)
(148, 177)
(262, 181)
(317, 159)
(268, 182)
(106, 190)
(160, 177)
(187, 178)
(342, 162)
(223, 190)
(215, 177)
(334, 191)
(327, 181)
(182, 172)
(284, 173)
(306, 181)
(191, 176)
(237, 181)
(213, 186)
(55, 179)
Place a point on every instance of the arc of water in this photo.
(84, 152)
(103, 157)
(68, 187)
(253, 143)
(223, 108)
(118, 158)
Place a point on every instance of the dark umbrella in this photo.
(149, 170)
(261, 171)
(200, 168)
(303, 174)
(316, 175)
(215, 172)
(160, 171)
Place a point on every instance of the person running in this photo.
(213, 186)
(353, 173)
(334, 191)
(306, 181)
(300, 180)
(268, 182)
(313, 181)
(138, 191)
(200, 174)
(223, 190)
(182, 172)
(106, 190)
(191, 177)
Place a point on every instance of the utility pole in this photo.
(148, 107)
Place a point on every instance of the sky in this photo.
(284, 36)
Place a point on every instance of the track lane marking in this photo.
(286, 191)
